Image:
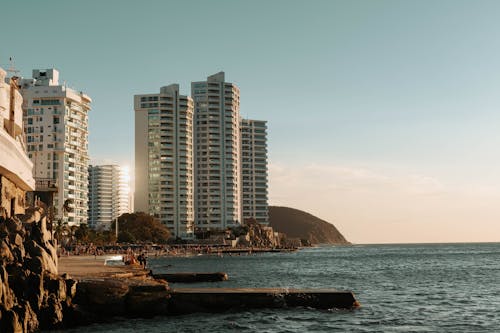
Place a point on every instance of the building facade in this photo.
(217, 153)
(15, 167)
(164, 174)
(109, 192)
(254, 170)
(56, 128)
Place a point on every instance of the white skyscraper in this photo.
(108, 194)
(217, 153)
(56, 127)
(254, 170)
(164, 158)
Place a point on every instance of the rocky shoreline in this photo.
(34, 297)
(32, 294)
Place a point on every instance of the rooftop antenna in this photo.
(12, 68)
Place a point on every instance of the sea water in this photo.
(401, 288)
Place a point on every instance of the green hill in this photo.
(299, 224)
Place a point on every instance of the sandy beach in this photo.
(93, 266)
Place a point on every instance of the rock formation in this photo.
(32, 295)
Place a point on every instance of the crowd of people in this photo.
(138, 254)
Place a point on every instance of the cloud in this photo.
(349, 179)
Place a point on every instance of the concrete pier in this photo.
(192, 277)
(189, 300)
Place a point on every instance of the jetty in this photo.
(190, 300)
(192, 277)
(99, 299)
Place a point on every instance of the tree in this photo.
(60, 231)
(143, 227)
(125, 237)
(72, 233)
(82, 233)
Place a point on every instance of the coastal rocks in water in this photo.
(147, 299)
(32, 295)
(122, 297)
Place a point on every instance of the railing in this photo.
(44, 184)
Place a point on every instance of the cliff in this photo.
(299, 224)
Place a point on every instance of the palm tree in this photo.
(60, 231)
(72, 233)
(82, 233)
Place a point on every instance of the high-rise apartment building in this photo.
(108, 195)
(56, 127)
(217, 152)
(254, 170)
(164, 158)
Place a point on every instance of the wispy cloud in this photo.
(348, 179)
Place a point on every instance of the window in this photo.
(50, 102)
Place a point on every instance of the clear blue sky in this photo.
(391, 107)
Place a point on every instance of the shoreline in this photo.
(89, 266)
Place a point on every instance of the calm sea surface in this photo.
(402, 288)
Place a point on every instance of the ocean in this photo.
(401, 288)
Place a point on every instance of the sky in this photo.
(383, 116)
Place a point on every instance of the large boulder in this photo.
(34, 290)
(51, 314)
(14, 226)
(49, 262)
(9, 321)
(55, 285)
(105, 297)
(147, 299)
(5, 252)
(27, 317)
(7, 298)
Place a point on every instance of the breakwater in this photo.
(190, 277)
(104, 298)
(191, 300)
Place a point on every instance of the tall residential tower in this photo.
(217, 152)
(108, 194)
(56, 127)
(254, 170)
(164, 158)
